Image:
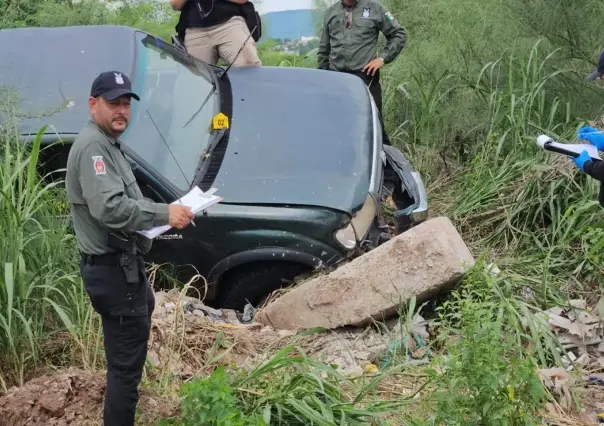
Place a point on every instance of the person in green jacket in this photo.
(108, 207)
(349, 43)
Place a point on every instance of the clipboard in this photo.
(196, 199)
(571, 150)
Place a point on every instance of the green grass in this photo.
(40, 289)
(288, 389)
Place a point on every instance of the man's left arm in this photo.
(595, 169)
(395, 34)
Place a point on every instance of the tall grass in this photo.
(508, 197)
(40, 290)
(516, 198)
(469, 118)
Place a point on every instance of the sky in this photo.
(266, 6)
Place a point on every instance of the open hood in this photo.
(298, 137)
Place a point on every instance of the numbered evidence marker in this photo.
(220, 121)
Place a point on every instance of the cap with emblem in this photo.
(599, 70)
(111, 85)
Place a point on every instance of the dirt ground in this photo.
(188, 342)
(70, 397)
(184, 343)
(75, 397)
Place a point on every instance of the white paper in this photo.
(196, 199)
(579, 148)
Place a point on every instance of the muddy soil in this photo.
(72, 397)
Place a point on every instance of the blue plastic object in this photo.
(581, 160)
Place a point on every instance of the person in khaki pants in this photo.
(216, 29)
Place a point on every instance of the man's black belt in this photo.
(109, 259)
(130, 263)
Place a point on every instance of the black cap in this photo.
(111, 85)
(600, 70)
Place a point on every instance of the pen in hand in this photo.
(192, 221)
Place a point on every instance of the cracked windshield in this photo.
(168, 123)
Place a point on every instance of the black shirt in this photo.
(595, 169)
(222, 11)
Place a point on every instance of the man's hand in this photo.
(594, 136)
(372, 67)
(179, 216)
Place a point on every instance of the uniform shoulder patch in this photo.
(389, 16)
(99, 165)
(366, 12)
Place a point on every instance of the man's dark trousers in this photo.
(375, 88)
(125, 311)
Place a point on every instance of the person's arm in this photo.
(177, 4)
(104, 192)
(324, 45)
(395, 34)
(595, 169)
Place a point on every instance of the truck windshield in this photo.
(168, 130)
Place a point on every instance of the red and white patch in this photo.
(99, 165)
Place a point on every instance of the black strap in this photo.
(109, 259)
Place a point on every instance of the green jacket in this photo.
(350, 49)
(104, 196)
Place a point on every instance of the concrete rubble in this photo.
(352, 351)
(420, 262)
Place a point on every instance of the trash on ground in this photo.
(557, 381)
(580, 331)
(181, 322)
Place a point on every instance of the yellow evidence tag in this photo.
(220, 121)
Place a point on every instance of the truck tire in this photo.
(254, 282)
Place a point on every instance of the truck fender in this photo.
(277, 254)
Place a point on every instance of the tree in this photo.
(319, 8)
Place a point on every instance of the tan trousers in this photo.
(224, 41)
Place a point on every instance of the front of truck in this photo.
(295, 138)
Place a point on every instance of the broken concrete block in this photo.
(420, 262)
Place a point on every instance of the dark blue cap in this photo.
(599, 70)
(111, 85)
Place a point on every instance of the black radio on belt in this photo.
(126, 248)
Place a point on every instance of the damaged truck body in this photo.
(296, 153)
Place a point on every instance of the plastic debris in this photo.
(248, 314)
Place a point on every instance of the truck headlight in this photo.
(346, 237)
(359, 226)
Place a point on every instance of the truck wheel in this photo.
(252, 283)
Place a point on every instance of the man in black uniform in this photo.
(584, 162)
(108, 208)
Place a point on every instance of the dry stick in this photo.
(257, 393)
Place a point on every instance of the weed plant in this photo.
(40, 290)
